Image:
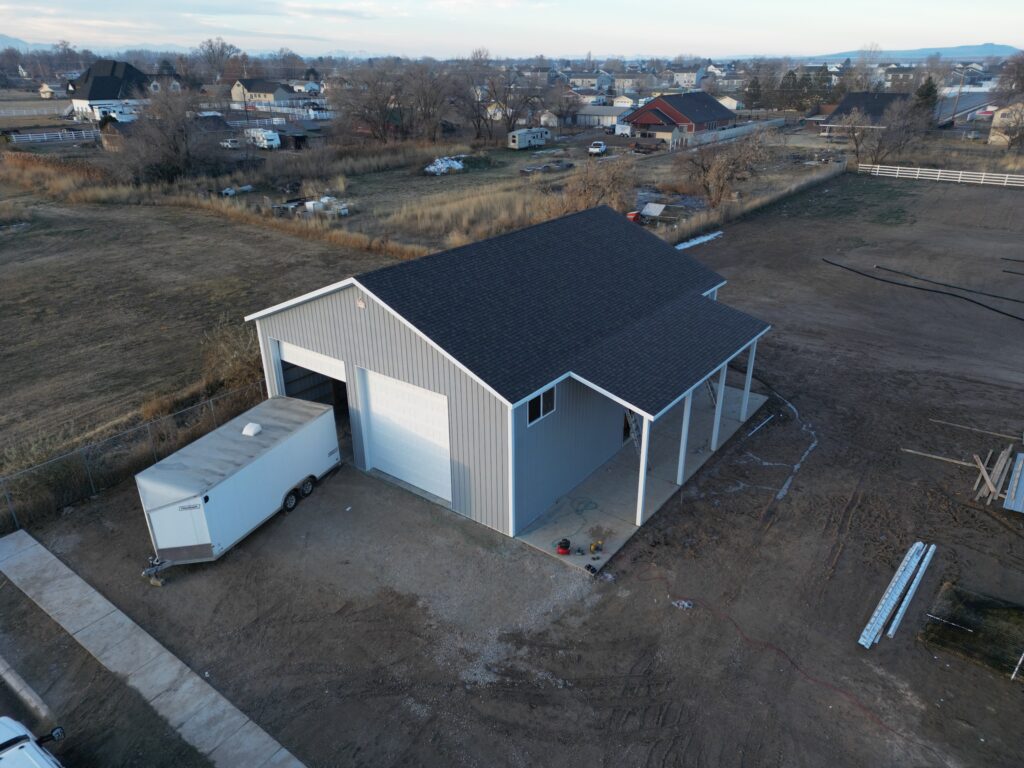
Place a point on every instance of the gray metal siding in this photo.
(557, 453)
(374, 339)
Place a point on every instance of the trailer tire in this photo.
(291, 501)
(307, 487)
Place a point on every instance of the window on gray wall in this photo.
(540, 406)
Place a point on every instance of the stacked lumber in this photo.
(991, 479)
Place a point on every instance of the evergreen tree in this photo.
(822, 84)
(927, 96)
(805, 92)
(753, 94)
(789, 91)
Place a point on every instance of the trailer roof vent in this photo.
(252, 429)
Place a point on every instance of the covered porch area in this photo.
(613, 502)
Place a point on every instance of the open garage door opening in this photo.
(306, 375)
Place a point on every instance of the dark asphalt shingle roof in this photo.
(872, 105)
(106, 80)
(700, 107)
(590, 293)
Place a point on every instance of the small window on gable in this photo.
(540, 406)
(155, 87)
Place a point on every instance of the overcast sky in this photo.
(443, 28)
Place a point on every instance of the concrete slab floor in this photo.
(603, 507)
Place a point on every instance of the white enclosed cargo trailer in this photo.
(202, 500)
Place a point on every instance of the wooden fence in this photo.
(935, 174)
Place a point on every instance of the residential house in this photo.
(597, 80)
(116, 88)
(632, 82)
(592, 116)
(591, 96)
(1007, 124)
(730, 103)
(902, 78)
(688, 77)
(688, 112)
(52, 90)
(495, 379)
(870, 105)
(254, 90)
(624, 100)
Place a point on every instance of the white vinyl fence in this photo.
(52, 109)
(934, 174)
(54, 136)
(727, 134)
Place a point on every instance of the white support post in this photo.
(645, 442)
(719, 404)
(745, 405)
(684, 436)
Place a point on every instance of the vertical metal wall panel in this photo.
(556, 453)
(374, 339)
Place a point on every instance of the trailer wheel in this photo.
(307, 486)
(291, 501)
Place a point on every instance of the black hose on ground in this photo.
(922, 288)
(949, 285)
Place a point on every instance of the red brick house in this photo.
(687, 112)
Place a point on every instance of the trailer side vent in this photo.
(252, 429)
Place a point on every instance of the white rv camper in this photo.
(203, 499)
(525, 138)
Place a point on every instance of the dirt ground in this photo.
(371, 628)
(103, 306)
(107, 723)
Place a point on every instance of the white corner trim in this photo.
(714, 291)
(333, 287)
(511, 471)
(431, 342)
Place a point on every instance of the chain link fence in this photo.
(81, 474)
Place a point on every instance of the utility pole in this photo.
(956, 101)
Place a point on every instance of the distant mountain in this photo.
(956, 52)
(6, 41)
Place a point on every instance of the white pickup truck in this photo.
(597, 148)
(20, 749)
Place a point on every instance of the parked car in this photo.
(597, 148)
(20, 749)
(231, 144)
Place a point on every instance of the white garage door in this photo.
(406, 433)
(312, 361)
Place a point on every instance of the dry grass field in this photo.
(104, 306)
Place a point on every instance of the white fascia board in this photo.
(301, 299)
(547, 386)
(511, 471)
(710, 373)
(610, 396)
(430, 341)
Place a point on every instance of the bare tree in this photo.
(900, 127)
(511, 101)
(609, 182)
(214, 54)
(429, 93)
(562, 102)
(714, 168)
(166, 142)
(372, 100)
(1009, 124)
(856, 126)
(470, 95)
(1011, 80)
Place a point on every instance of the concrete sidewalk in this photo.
(203, 717)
